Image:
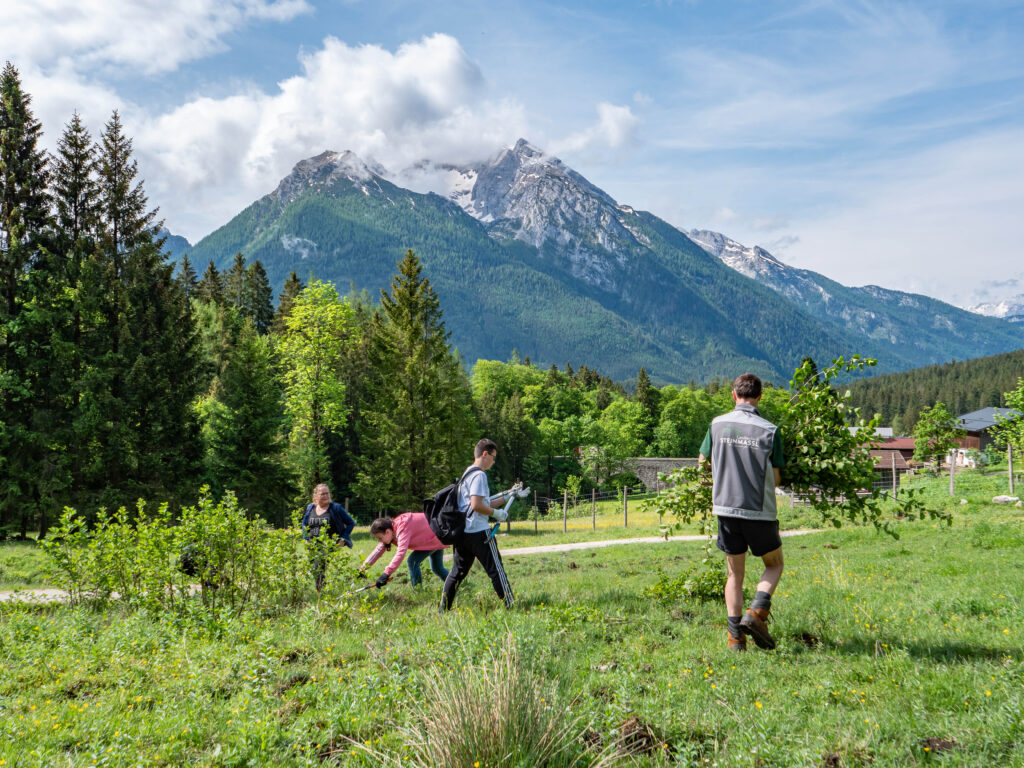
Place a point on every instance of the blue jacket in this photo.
(341, 523)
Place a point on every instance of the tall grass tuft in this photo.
(497, 713)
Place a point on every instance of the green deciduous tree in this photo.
(318, 329)
(1010, 429)
(937, 432)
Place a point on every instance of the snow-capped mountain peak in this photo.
(1011, 309)
(327, 168)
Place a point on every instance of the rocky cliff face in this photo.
(326, 169)
(526, 195)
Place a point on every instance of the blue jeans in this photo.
(417, 556)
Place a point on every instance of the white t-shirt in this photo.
(475, 484)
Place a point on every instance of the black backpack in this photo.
(442, 511)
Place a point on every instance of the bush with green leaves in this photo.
(214, 553)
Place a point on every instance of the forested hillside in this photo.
(963, 386)
(663, 304)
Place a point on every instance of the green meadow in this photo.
(890, 653)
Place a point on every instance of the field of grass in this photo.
(891, 653)
(22, 565)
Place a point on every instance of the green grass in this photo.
(21, 566)
(891, 653)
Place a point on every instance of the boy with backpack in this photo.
(476, 541)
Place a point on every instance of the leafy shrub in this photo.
(235, 561)
(703, 582)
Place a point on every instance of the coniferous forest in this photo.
(964, 386)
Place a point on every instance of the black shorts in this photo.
(736, 535)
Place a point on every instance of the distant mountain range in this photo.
(1011, 309)
(525, 253)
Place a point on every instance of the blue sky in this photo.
(874, 142)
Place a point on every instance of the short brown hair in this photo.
(747, 386)
(484, 446)
(382, 524)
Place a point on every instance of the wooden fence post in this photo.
(895, 477)
(952, 471)
(565, 508)
(593, 508)
(536, 512)
(1009, 463)
(625, 506)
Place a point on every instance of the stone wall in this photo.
(648, 469)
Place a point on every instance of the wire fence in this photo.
(539, 509)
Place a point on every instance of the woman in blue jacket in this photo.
(325, 518)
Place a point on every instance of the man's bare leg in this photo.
(734, 600)
(772, 571)
(754, 621)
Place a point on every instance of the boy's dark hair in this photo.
(747, 386)
(484, 446)
(382, 524)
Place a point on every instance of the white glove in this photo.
(500, 515)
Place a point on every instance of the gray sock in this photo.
(734, 625)
(762, 600)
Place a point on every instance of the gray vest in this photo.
(741, 451)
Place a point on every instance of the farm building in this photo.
(978, 425)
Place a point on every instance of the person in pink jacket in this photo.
(410, 531)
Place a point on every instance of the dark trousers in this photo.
(471, 547)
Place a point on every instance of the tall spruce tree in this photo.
(648, 397)
(234, 282)
(246, 442)
(417, 415)
(187, 277)
(289, 292)
(257, 297)
(141, 417)
(24, 217)
(211, 286)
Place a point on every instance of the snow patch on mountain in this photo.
(328, 168)
(1011, 309)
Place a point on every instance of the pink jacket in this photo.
(412, 531)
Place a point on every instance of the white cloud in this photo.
(819, 83)
(615, 129)
(209, 158)
(149, 37)
(939, 223)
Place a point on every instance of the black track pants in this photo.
(467, 549)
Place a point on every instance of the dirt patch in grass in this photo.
(808, 640)
(846, 759)
(80, 689)
(638, 738)
(291, 682)
(937, 745)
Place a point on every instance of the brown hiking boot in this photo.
(755, 624)
(737, 643)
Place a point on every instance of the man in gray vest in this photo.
(746, 458)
